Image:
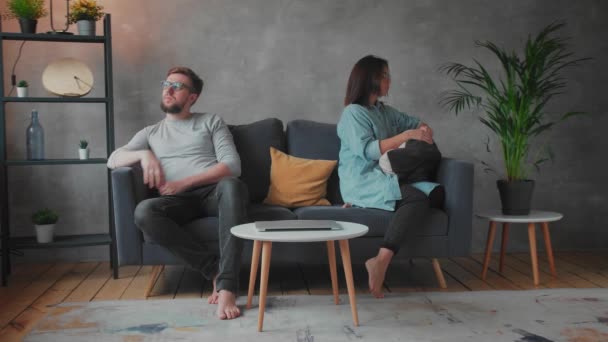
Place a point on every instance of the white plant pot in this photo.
(86, 27)
(45, 232)
(83, 153)
(21, 91)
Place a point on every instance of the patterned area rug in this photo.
(524, 316)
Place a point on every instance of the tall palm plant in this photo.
(514, 104)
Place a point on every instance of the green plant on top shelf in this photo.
(85, 10)
(22, 84)
(45, 216)
(26, 9)
(83, 144)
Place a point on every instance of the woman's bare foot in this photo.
(227, 308)
(376, 270)
(213, 299)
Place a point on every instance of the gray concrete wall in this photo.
(291, 60)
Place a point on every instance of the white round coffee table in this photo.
(262, 242)
(535, 216)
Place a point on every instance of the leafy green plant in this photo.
(83, 144)
(85, 10)
(45, 216)
(26, 9)
(514, 104)
(22, 84)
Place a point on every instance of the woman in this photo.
(367, 129)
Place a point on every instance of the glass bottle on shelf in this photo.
(35, 138)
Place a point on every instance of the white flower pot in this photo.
(83, 153)
(21, 91)
(45, 232)
(86, 27)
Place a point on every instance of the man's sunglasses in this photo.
(175, 85)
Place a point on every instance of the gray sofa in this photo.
(447, 233)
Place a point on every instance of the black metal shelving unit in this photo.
(65, 241)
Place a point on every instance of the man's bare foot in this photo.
(227, 308)
(213, 299)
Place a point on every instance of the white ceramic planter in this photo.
(83, 153)
(86, 27)
(21, 91)
(45, 232)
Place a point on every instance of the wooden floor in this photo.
(34, 288)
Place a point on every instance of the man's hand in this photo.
(172, 188)
(153, 171)
(423, 133)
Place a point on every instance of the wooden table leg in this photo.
(545, 227)
(503, 245)
(331, 252)
(350, 284)
(255, 261)
(489, 243)
(439, 274)
(266, 252)
(533, 256)
(156, 271)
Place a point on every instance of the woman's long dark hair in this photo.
(364, 80)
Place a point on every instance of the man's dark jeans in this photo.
(162, 218)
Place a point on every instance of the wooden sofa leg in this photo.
(439, 274)
(156, 271)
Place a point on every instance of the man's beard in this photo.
(172, 109)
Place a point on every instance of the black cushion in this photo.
(315, 140)
(417, 162)
(253, 143)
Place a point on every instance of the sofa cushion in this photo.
(375, 219)
(315, 140)
(206, 229)
(298, 182)
(253, 142)
(265, 212)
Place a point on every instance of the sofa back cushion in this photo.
(253, 142)
(315, 140)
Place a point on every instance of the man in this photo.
(191, 160)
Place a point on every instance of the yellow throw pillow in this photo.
(298, 182)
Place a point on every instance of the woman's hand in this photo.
(427, 127)
(423, 133)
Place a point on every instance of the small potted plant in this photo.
(83, 150)
(85, 13)
(44, 221)
(514, 104)
(22, 88)
(27, 12)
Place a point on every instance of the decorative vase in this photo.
(83, 153)
(45, 232)
(515, 196)
(22, 91)
(27, 25)
(35, 139)
(86, 27)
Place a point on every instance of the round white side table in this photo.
(262, 241)
(535, 216)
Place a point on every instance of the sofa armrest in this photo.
(457, 178)
(128, 190)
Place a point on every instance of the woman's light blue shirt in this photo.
(362, 181)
